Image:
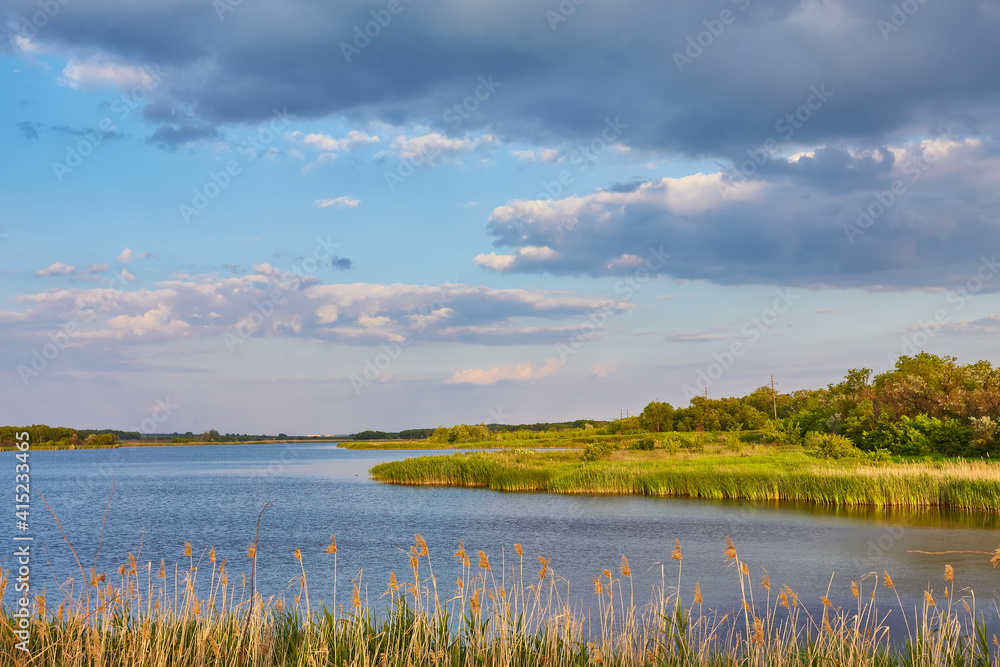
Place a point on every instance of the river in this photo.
(211, 496)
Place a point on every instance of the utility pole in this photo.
(774, 399)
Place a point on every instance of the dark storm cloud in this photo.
(560, 79)
(916, 221)
(836, 83)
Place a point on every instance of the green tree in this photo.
(657, 417)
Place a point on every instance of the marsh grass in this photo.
(500, 612)
(718, 471)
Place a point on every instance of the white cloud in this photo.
(434, 317)
(494, 261)
(626, 261)
(369, 322)
(517, 372)
(340, 202)
(23, 44)
(529, 253)
(127, 255)
(430, 146)
(57, 269)
(325, 142)
(127, 277)
(207, 306)
(330, 146)
(156, 321)
(94, 73)
(604, 370)
(687, 195)
(540, 253)
(546, 155)
(328, 313)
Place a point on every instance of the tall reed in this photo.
(496, 614)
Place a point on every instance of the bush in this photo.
(644, 444)
(879, 455)
(598, 451)
(671, 444)
(831, 446)
(732, 442)
(923, 435)
(696, 442)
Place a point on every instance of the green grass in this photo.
(759, 473)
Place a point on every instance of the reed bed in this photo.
(499, 612)
(761, 475)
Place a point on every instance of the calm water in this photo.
(211, 496)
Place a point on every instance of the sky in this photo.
(312, 217)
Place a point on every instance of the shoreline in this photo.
(139, 443)
(762, 476)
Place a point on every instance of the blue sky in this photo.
(260, 219)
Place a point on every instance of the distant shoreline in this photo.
(144, 443)
(340, 442)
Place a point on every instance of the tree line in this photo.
(926, 404)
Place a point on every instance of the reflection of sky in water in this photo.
(211, 496)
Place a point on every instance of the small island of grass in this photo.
(921, 434)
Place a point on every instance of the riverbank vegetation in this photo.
(44, 437)
(499, 612)
(716, 467)
(49, 437)
(925, 406)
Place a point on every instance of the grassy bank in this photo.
(759, 473)
(494, 615)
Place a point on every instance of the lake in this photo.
(211, 496)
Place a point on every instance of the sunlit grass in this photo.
(758, 473)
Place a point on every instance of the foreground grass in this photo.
(759, 473)
(494, 616)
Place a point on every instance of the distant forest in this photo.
(925, 405)
(63, 437)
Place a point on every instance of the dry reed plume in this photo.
(494, 617)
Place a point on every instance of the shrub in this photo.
(831, 446)
(923, 435)
(879, 455)
(732, 443)
(696, 442)
(671, 444)
(598, 451)
(644, 444)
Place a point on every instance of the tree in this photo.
(658, 417)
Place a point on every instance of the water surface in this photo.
(212, 495)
